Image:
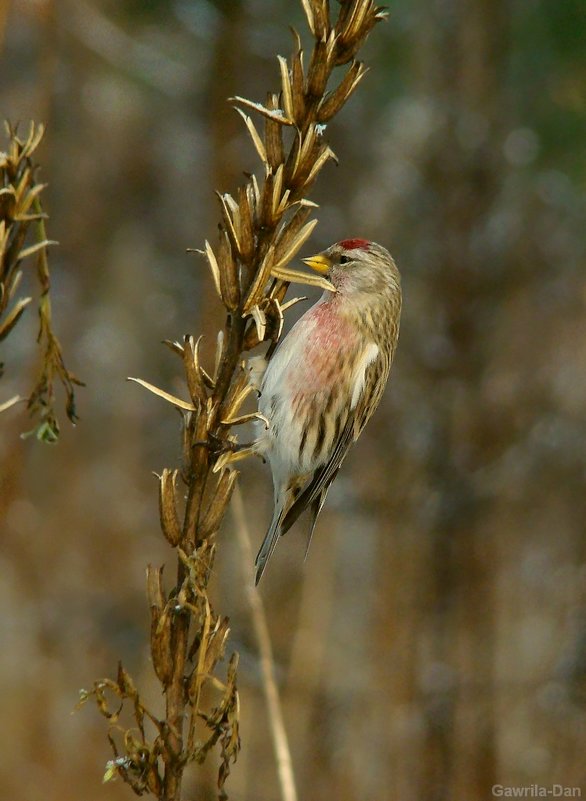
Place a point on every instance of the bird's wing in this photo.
(366, 392)
(269, 543)
(321, 480)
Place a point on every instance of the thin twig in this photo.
(263, 637)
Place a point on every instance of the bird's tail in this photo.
(269, 543)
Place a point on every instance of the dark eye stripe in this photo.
(344, 259)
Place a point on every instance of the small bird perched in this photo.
(326, 379)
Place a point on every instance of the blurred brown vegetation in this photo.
(434, 643)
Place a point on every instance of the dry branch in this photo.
(262, 228)
(20, 213)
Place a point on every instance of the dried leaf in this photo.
(287, 89)
(11, 402)
(254, 135)
(13, 317)
(277, 114)
(294, 277)
(293, 246)
(180, 404)
(35, 248)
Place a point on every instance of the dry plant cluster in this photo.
(262, 228)
(22, 219)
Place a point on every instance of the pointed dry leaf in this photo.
(277, 191)
(295, 277)
(195, 383)
(285, 256)
(283, 205)
(226, 202)
(292, 302)
(176, 347)
(11, 402)
(13, 316)
(25, 252)
(326, 154)
(180, 404)
(255, 292)
(309, 14)
(277, 114)
(254, 135)
(287, 90)
(219, 354)
(256, 191)
(260, 321)
(275, 319)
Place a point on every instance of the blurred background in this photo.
(434, 644)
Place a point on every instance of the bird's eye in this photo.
(344, 259)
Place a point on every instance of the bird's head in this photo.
(356, 266)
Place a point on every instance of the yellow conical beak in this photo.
(319, 263)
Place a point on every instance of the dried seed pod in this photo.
(255, 293)
(286, 88)
(320, 66)
(229, 209)
(321, 18)
(292, 163)
(298, 84)
(229, 279)
(215, 645)
(290, 230)
(246, 213)
(237, 394)
(155, 594)
(325, 155)
(170, 525)
(217, 507)
(277, 206)
(161, 647)
(266, 204)
(355, 21)
(356, 27)
(308, 154)
(273, 135)
(195, 381)
(333, 101)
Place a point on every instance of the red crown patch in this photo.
(351, 244)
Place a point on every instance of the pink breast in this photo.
(323, 351)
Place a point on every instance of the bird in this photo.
(325, 380)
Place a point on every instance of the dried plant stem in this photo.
(267, 663)
(21, 212)
(263, 227)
